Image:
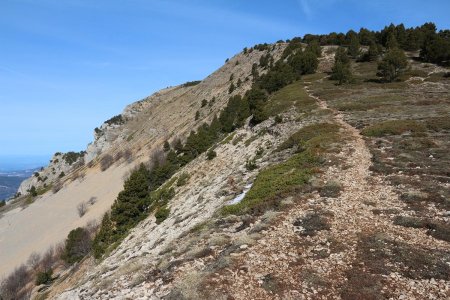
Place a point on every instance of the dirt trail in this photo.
(285, 264)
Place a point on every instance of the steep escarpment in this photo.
(118, 148)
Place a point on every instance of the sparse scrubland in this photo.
(336, 147)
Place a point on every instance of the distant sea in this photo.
(14, 169)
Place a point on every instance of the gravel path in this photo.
(286, 264)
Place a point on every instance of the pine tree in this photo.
(391, 41)
(341, 72)
(314, 47)
(353, 49)
(373, 53)
(392, 65)
(341, 55)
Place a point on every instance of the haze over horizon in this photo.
(67, 67)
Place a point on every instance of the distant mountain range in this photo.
(11, 180)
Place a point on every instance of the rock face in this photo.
(167, 108)
(60, 165)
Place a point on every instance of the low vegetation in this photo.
(71, 157)
(116, 120)
(191, 83)
(393, 127)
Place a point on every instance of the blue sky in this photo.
(66, 66)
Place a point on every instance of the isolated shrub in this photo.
(250, 164)
(183, 179)
(82, 209)
(211, 154)
(33, 191)
(106, 162)
(312, 223)
(177, 145)
(61, 175)
(44, 277)
(166, 146)
(341, 72)
(78, 245)
(2, 203)
(92, 200)
(197, 115)
(332, 189)
(161, 214)
(278, 119)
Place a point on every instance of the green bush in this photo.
(116, 120)
(305, 62)
(44, 277)
(33, 191)
(183, 179)
(393, 127)
(78, 245)
(211, 154)
(273, 181)
(191, 83)
(251, 165)
(161, 214)
(278, 119)
(166, 146)
(71, 157)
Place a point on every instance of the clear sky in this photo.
(68, 65)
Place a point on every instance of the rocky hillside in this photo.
(293, 172)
